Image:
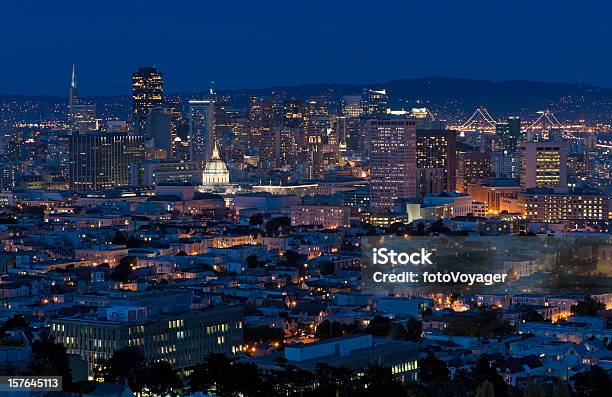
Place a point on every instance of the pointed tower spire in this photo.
(215, 153)
(74, 95)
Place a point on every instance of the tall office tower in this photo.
(315, 166)
(260, 117)
(508, 133)
(201, 130)
(277, 148)
(161, 128)
(352, 105)
(74, 93)
(82, 116)
(436, 161)
(472, 166)
(543, 165)
(147, 93)
(99, 161)
(505, 164)
(392, 161)
(377, 101)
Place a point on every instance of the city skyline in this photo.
(409, 237)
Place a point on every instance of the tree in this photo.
(377, 381)
(292, 258)
(263, 334)
(122, 271)
(533, 390)
(134, 242)
(226, 377)
(128, 364)
(414, 330)
(256, 219)
(161, 378)
(485, 389)
(328, 329)
(588, 307)
(119, 239)
(333, 381)
(15, 322)
(379, 326)
(50, 359)
(483, 370)
(591, 383)
(485, 324)
(432, 368)
(252, 261)
(275, 224)
(532, 316)
(560, 389)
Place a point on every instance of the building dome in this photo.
(215, 172)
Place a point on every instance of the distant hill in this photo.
(450, 97)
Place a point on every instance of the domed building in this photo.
(215, 172)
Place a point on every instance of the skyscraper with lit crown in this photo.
(147, 93)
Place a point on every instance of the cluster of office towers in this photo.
(408, 154)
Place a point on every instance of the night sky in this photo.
(258, 43)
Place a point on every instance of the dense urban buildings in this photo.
(147, 93)
(392, 161)
(218, 243)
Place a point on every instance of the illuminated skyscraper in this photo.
(99, 161)
(315, 167)
(508, 133)
(74, 94)
(147, 93)
(472, 166)
(543, 165)
(201, 130)
(392, 161)
(377, 102)
(436, 161)
(82, 115)
(352, 105)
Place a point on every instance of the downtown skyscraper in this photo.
(201, 130)
(392, 161)
(99, 161)
(147, 93)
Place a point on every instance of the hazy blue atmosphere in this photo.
(246, 43)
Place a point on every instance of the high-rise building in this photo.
(74, 93)
(260, 119)
(161, 129)
(82, 115)
(99, 161)
(505, 164)
(201, 130)
(147, 93)
(352, 105)
(436, 161)
(508, 133)
(377, 101)
(472, 166)
(543, 165)
(392, 161)
(315, 166)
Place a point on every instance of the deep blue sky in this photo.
(258, 43)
